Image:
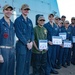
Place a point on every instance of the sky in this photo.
(44, 7)
(67, 8)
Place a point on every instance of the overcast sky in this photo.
(67, 8)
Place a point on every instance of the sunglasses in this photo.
(73, 19)
(61, 23)
(66, 23)
(41, 20)
(27, 9)
(56, 19)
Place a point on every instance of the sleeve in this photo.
(49, 37)
(32, 33)
(36, 37)
(58, 32)
(71, 36)
(0, 36)
(18, 32)
(0, 51)
(48, 34)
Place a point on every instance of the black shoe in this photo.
(73, 63)
(64, 65)
(54, 72)
(57, 67)
(68, 64)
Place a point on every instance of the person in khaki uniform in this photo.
(39, 57)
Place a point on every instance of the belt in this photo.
(6, 47)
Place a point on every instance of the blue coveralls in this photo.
(24, 32)
(64, 52)
(73, 48)
(7, 40)
(58, 48)
(51, 54)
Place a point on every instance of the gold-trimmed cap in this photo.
(41, 18)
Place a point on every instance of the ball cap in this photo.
(7, 6)
(57, 17)
(25, 6)
(72, 18)
(66, 21)
(63, 16)
(51, 15)
(41, 18)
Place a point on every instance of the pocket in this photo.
(5, 32)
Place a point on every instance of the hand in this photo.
(50, 43)
(45, 49)
(62, 45)
(40, 50)
(1, 59)
(29, 45)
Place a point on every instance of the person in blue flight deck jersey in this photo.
(7, 51)
(24, 32)
(64, 58)
(51, 54)
(72, 25)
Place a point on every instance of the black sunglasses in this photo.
(42, 20)
(61, 23)
(66, 23)
(27, 9)
(73, 19)
(56, 19)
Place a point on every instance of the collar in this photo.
(5, 23)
